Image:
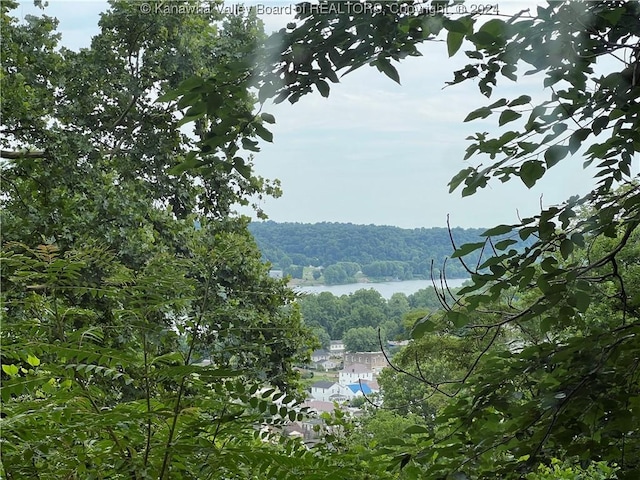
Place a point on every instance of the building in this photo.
(319, 355)
(276, 274)
(326, 365)
(331, 392)
(359, 389)
(375, 361)
(336, 347)
(354, 372)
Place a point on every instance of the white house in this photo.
(326, 364)
(354, 372)
(336, 347)
(331, 392)
(319, 355)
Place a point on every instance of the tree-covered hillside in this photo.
(380, 251)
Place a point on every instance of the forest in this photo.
(332, 317)
(142, 335)
(380, 252)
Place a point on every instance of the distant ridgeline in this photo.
(379, 252)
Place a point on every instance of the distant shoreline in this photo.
(385, 289)
(296, 282)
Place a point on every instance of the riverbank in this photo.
(386, 289)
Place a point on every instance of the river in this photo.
(386, 289)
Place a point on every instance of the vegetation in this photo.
(380, 252)
(120, 276)
(123, 262)
(571, 389)
(365, 308)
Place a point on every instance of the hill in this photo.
(343, 249)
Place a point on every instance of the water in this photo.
(386, 289)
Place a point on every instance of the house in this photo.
(336, 347)
(319, 406)
(372, 384)
(375, 361)
(361, 388)
(331, 392)
(397, 343)
(354, 372)
(276, 274)
(326, 364)
(319, 355)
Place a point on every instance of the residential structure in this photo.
(276, 273)
(375, 361)
(336, 347)
(319, 355)
(326, 364)
(354, 372)
(331, 392)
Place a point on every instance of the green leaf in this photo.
(531, 171)
(463, 25)
(577, 138)
(454, 42)
(521, 100)
(459, 178)
(467, 249)
(459, 319)
(384, 65)
(267, 117)
(554, 154)
(263, 133)
(416, 429)
(482, 112)
(10, 369)
(495, 27)
(583, 300)
(323, 87)
(241, 167)
(422, 326)
(503, 244)
(170, 95)
(499, 103)
(190, 162)
(599, 124)
(498, 230)
(508, 116)
(250, 145)
(33, 360)
(566, 247)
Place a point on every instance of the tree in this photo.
(361, 339)
(119, 269)
(323, 337)
(568, 392)
(558, 391)
(418, 381)
(295, 271)
(335, 274)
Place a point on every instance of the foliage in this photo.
(571, 388)
(362, 339)
(558, 470)
(109, 393)
(120, 272)
(423, 376)
(366, 308)
(380, 426)
(381, 252)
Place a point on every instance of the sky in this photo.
(376, 152)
